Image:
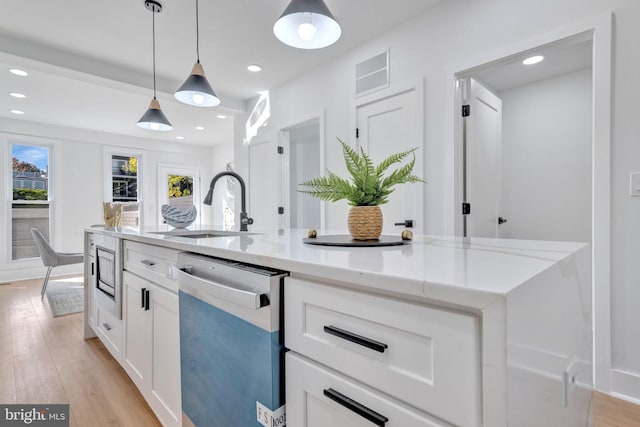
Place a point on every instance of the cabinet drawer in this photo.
(109, 329)
(151, 262)
(427, 357)
(318, 397)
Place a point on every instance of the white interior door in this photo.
(385, 127)
(261, 183)
(483, 165)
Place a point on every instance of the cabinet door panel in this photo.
(137, 320)
(309, 406)
(166, 353)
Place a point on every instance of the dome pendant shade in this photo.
(307, 24)
(154, 118)
(196, 90)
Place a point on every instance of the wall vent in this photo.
(372, 74)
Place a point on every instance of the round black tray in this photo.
(346, 240)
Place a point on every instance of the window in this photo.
(31, 199)
(123, 186)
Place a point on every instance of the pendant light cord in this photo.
(153, 26)
(197, 34)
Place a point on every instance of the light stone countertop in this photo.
(448, 270)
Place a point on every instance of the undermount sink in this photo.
(202, 234)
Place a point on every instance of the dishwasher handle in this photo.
(197, 286)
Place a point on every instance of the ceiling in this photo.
(559, 58)
(90, 62)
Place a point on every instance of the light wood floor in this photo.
(46, 360)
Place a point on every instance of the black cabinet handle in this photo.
(92, 269)
(146, 300)
(143, 292)
(406, 223)
(358, 408)
(147, 262)
(355, 338)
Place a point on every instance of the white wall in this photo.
(432, 46)
(546, 159)
(79, 183)
(221, 155)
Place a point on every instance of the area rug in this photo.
(66, 296)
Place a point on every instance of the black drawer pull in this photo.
(358, 339)
(146, 299)
(148, 263)
(363, 411)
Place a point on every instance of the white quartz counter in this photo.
(469, 274)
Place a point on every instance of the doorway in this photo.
(179, 186)
(527, 145)
(301, 160)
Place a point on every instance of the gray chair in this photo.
(51, 258)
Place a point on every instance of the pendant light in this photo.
(307, 24)
(196, 90)
(154, 118)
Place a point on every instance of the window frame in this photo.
(108, 154)
(29, 141)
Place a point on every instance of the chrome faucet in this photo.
(244, 218)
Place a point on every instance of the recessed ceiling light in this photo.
(221, 116)
(18, 72)
(533, 60)
(199, 128)
(179, 137)
(17, 112)
(18, 95)
(254, 68)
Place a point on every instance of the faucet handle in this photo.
(249, 221)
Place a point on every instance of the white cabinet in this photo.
(320, 397)
(89, 286)
(423, 356)
(151, 354)
(151, 350)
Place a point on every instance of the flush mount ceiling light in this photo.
(221, 116)
(307, 24)
(154, 118)
(533, 60)
(199, 128)
(254, 68)
(196, 90)
(18, 112)
(18, 95)
(18, 72)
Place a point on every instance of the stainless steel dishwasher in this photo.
(231, 352)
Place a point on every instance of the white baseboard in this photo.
(27, 273)
(625, 385)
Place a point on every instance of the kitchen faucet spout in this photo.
(244, 217)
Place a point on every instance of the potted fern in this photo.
(368, 187)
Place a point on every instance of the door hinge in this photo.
(280, 149)
(466, 208)
(466, 110)
(357, 133)
(281, 210)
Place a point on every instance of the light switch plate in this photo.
(634, 184)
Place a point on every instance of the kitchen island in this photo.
(479, 332)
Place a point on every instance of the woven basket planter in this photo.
(365, 222)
